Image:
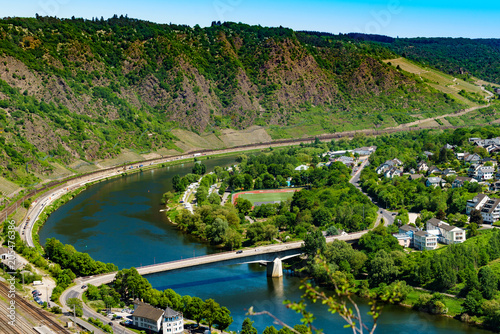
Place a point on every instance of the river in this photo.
(119, 221)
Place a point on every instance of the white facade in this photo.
(424, 240)
(173, 322)
(446, 233)
(491, 211)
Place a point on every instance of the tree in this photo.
(314, 242)
(195, 309)
(472, 303)
(243, 205)
(322, 217)
(223, 318)
(210, 312)
(476, 217)
(488, 282)
(167, 197)
(247, 327)
(199, 168)
(75, 304)
(381, 269)
(270, 330)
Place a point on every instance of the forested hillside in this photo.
(85, 89)
(461, 57)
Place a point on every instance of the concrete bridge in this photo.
(272, 255)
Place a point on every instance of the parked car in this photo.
(35, 291)
(84, 286)
(239, 252)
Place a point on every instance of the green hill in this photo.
(76, 91)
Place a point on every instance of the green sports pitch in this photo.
(267, 197)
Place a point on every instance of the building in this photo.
(446, 233)
(410, 231)
(412, 177)
(147, 317)
(392, 172)
(173, 322)
(403, 239)
(433, 181)
(449, 171)
(472, 158)
(348, 161)
(388, 165)
(302, 167)
(433, 170)
(460, 181)
(485, 173)
(476, 203)
(364, 150)
(493, 162)
(495, 186)
(425, 241)
(422, 166)
(491, 210)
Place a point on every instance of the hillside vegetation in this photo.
(73, 92)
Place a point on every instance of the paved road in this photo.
(387, 215)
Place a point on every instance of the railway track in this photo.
(39, 315)
(21, 326)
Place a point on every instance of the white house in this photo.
(424, 240)
(485, 173)
(491, 211)
(476, 203)
(173, 322)
(147, 317)
(422, 166)
(364, 150)
(446, 233)
(388, 165)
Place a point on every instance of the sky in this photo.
(403, 18)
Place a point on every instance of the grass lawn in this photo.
(453, 305)
(267, 197)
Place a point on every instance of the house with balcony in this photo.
(476, 203)
(485, 173)
(410, 231)
(383, 168)
(491, 211)
(446, 233)
(425, 241)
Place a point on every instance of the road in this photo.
(387, 215)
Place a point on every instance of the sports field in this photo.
(266, 196)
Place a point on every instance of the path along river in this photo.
(119, 221)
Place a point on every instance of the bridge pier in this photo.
(275, 268)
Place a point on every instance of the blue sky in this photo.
(403, 18)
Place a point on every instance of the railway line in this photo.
(40, 316)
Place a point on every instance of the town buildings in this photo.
(156, 320)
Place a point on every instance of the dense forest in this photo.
(82, 90)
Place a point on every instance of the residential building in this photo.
(348, 161)
(448, 147)
(476, 203)
(393, 171)
(147, 317)
(415, 176)
(433, 170)
(422, 166)
(403, 239)
(495, 186)
(173, 322)
(460, 181)
(484, 173)
(364, 150)
(493, 148)
(493, 162)
(428, 154)
(424, 240)
(448, 172)
(154, 319)
(410, 231)
(388, 165)
(446, 233)
(433, 181)
(491, 211)
(472, 158)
